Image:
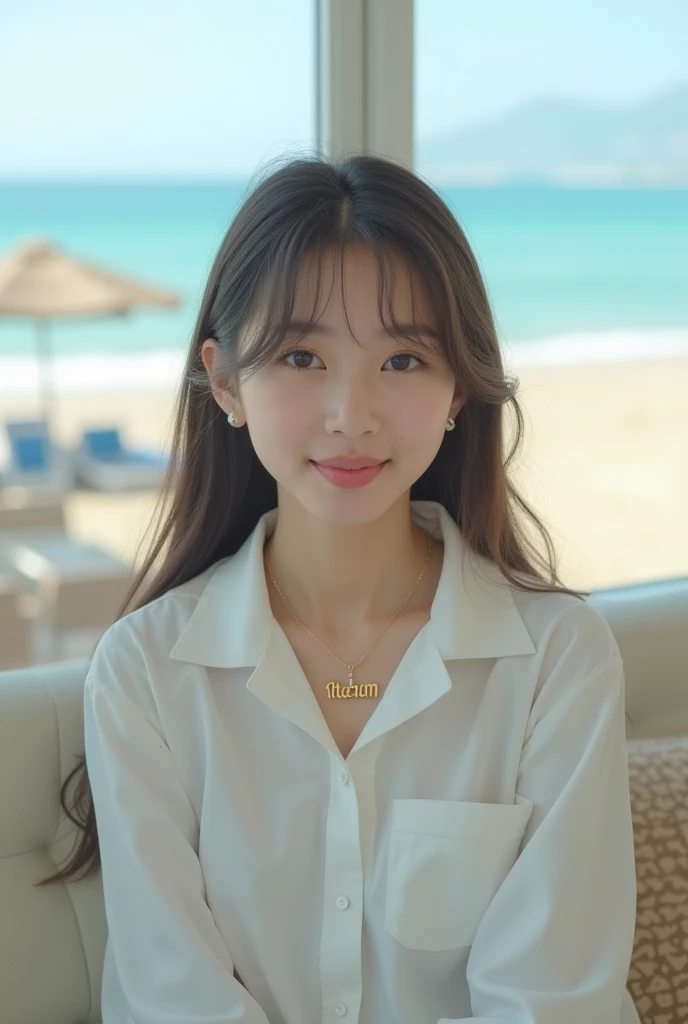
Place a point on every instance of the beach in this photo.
(604, 463)
(587, 286)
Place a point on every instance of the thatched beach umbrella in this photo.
(39, 281)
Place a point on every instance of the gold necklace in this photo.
(334, 688)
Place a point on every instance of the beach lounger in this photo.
(36, 463)
(77, 588)
(102, 461)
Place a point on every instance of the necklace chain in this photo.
(353, 665)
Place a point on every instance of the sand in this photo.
(604, 464)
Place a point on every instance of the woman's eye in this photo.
(297, 352)
(408, 355)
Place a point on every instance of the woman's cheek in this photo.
(423, 416)
(284, 416)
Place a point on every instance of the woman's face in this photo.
(387, 398)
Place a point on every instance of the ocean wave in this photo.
(161, 370)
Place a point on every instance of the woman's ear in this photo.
(458, 403)
(220, 385)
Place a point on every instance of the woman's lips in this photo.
(350, 477)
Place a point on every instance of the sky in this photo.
(211, 88)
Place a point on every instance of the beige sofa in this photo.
(52, 940)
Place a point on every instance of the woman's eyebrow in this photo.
(306, 327)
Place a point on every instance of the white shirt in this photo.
(470, 860)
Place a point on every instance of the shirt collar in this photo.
(473, 614)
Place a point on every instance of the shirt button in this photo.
(340, 1009)
(342, 902)
(343, 775)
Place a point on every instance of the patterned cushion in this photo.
(658, 979)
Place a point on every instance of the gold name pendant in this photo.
(351, 689)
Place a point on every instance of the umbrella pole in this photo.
(44, 360)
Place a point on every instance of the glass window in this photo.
(557, 134)
(129, 135)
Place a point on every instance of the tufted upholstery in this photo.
(52, 940)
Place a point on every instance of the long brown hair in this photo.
(216, 488)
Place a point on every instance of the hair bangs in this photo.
(271, 319)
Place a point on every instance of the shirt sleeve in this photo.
(173, 964)
(554, 946)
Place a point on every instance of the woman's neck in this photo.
(340, 580)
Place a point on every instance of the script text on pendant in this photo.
(335, 689)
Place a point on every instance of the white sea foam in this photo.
(617, 346)
(150, 371)
(162, 370)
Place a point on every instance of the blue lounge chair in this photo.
(101, 461)
(36, 463)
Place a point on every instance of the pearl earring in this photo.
(232, 419)
(450, 424)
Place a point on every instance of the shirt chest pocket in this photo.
(446, 860)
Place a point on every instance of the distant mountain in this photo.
(567, 142)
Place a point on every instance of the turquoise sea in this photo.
(571, 273)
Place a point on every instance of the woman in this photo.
(354, 752)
